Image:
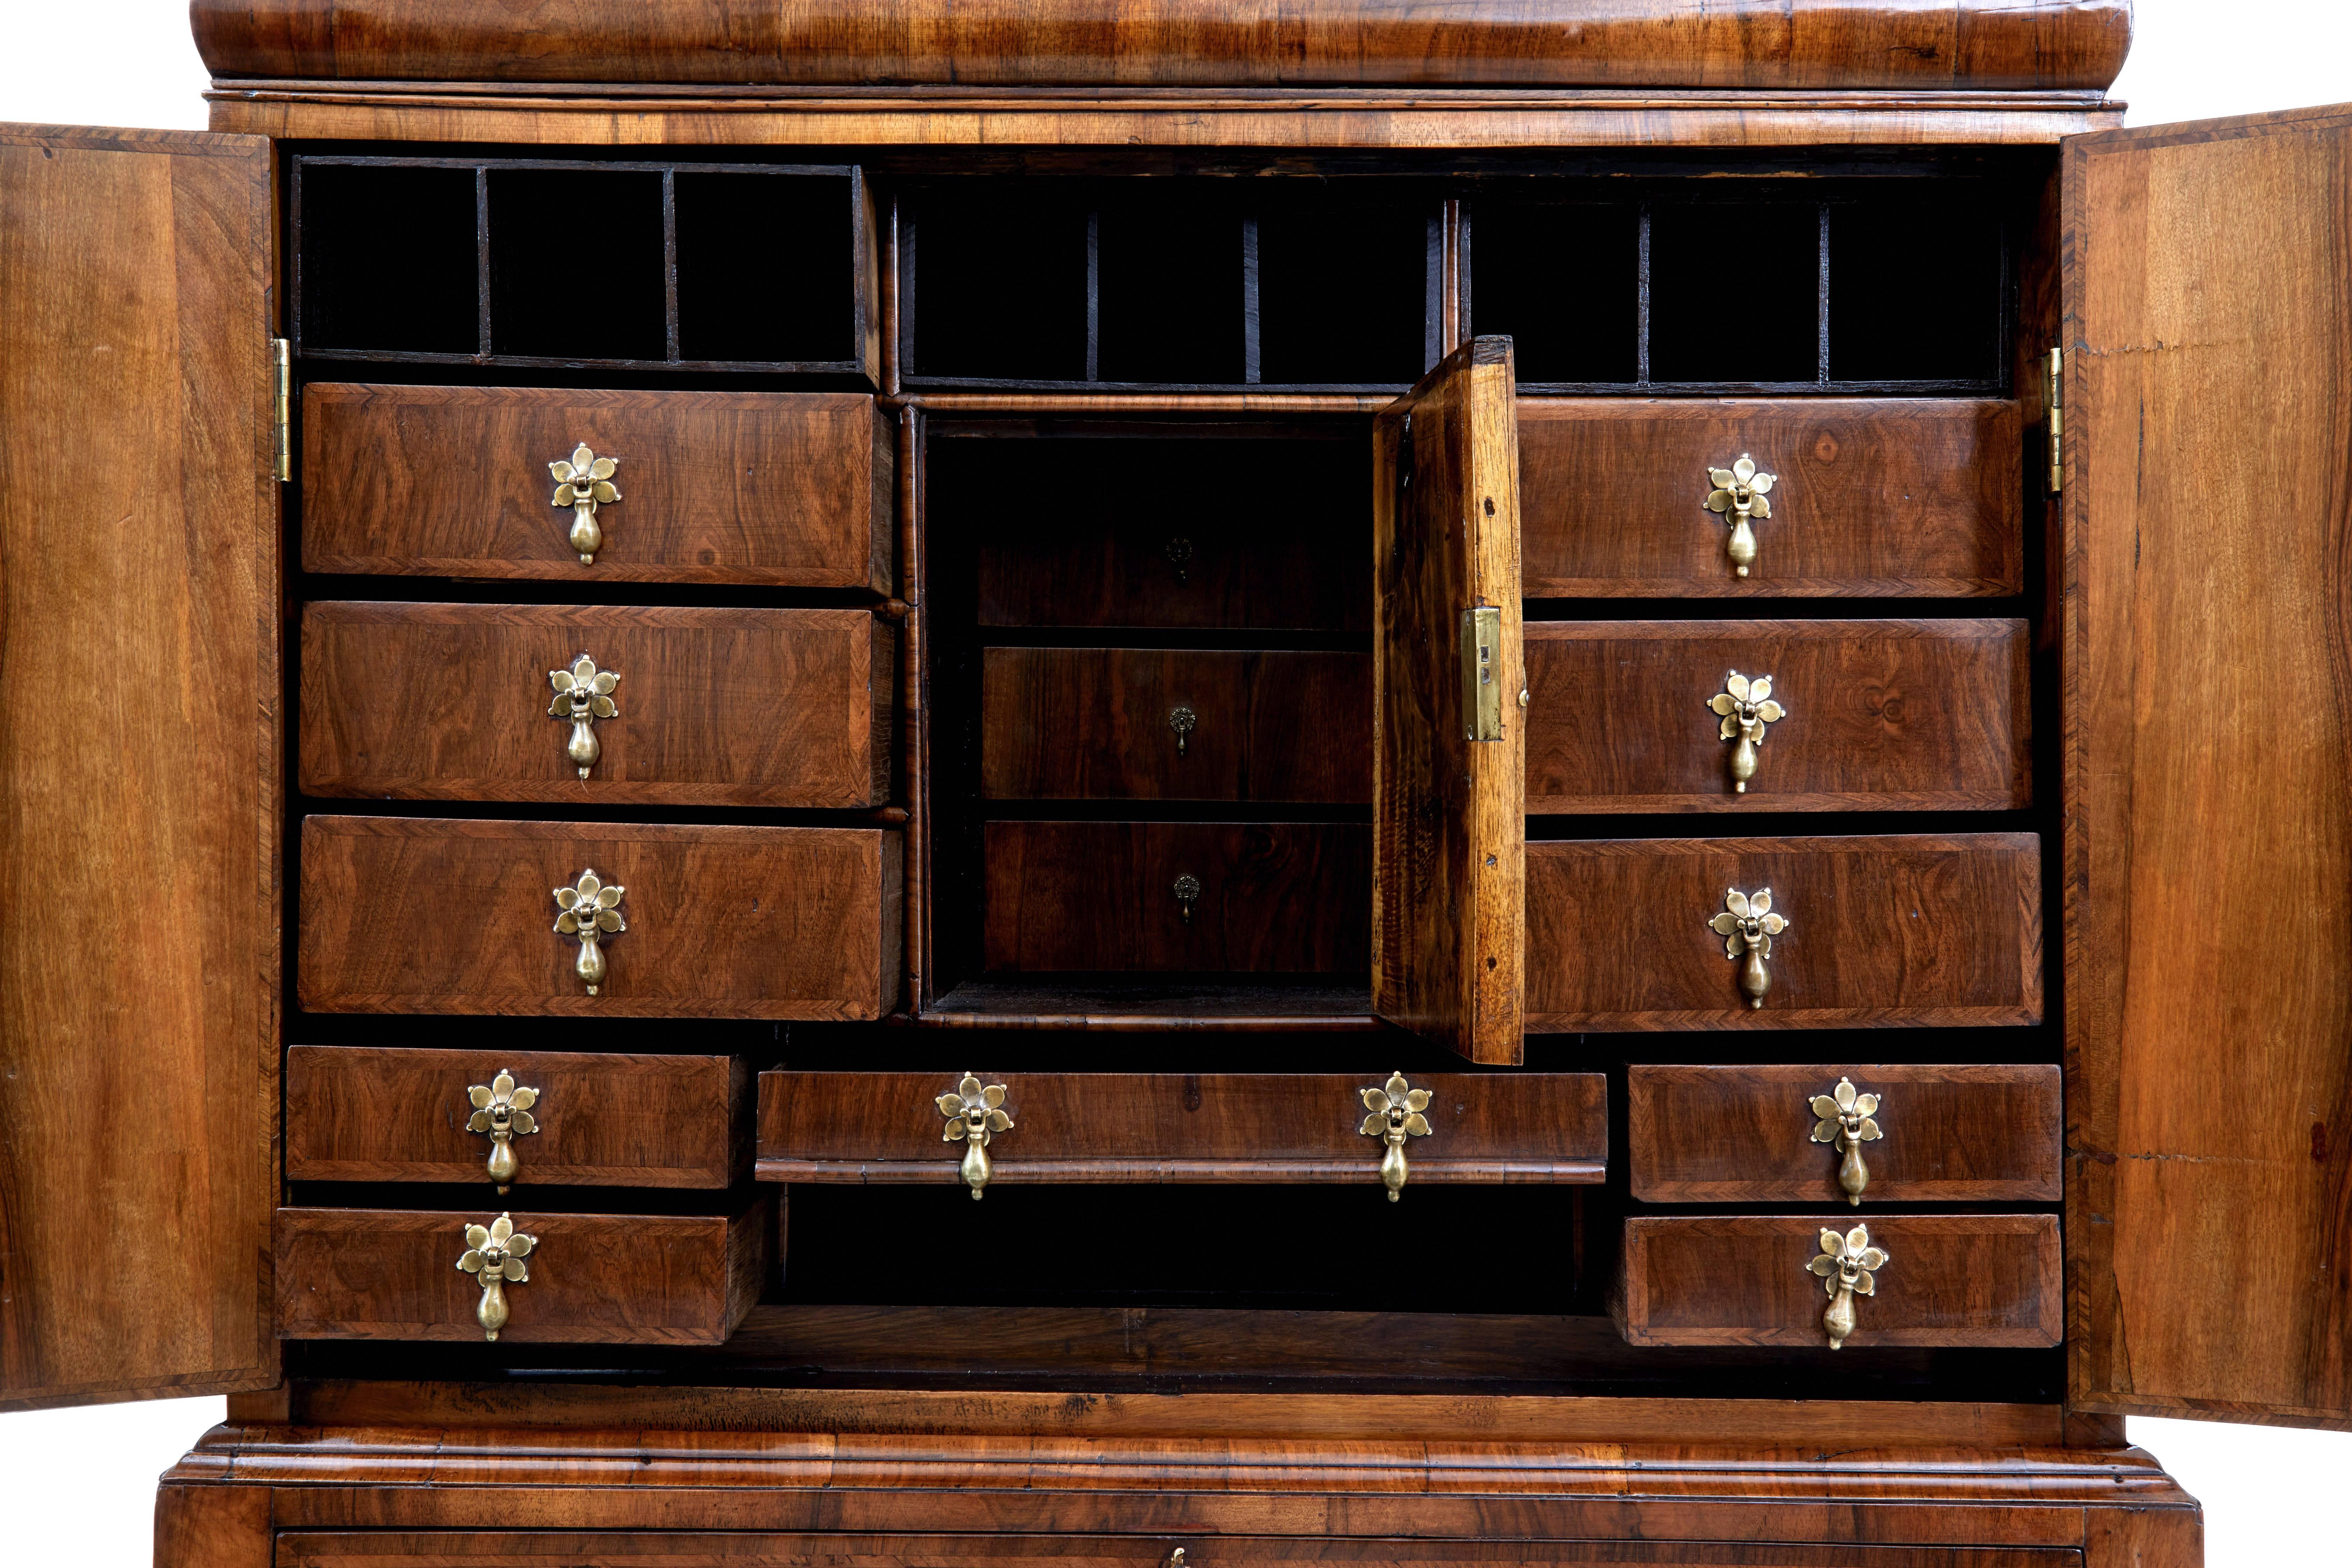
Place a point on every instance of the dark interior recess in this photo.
(999, 285)
(1562, 280)
(1343, 279)
(1169, 294)
(389, 257)
(1914, 290)
(576, 264)
(766, 267)
(1734, 291)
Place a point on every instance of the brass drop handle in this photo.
(591, 912)
(503, 1111)
(1179, 555)
(584, 482)
(494, 1256)
(1397, 1111)
(975, 1113)
(1848, 1266)
(583, 694)
(1848, 1121)
(1745, 707)
(1181, 719)
(1187, 890)
(1738, 497)
(1747, 925)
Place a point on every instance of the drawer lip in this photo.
(1653, 1158)
(702, 1151)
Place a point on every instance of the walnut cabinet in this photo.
(1183, 790)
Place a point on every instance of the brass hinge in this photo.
(2054, 388)
(1482, 659)
(281, 407)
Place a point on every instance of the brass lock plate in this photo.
(1482, 673)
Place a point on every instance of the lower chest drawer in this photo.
(359, 1113)
(420, 915)
(1669, 933)
(464, 1275)
(1957, 1280)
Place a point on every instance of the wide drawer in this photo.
(1272, 898)
(366, 1114)
(1872, 497)
(1887, 932)
(785, 708)
(421, 915)
(1957, 1280)
(1198, 1127)
(605, 1278)
(1164, 724)
(714, 487)
(1866, 716)
(1746, 1134)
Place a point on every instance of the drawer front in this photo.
(785, 707)
(603, 1279)
(1156, 1127)
(1871, 716)
(715, 487)
(363, 1113)
(1285, 898)
(1162, 724)
(1872, 498)
(1885, 931)
(417, 915)
(1960, 1280)
(1745, 1134)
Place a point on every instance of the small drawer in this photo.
(364, 1113)
(600, 1279)
(1957, 1281)
(1746, 1134)
(1638, 933)
(421, 915)
(1267, 898)
(781, 489)
(1163, 724)
(781, 708)
(1155, 1127)
(1627, 716)
(1872, 498)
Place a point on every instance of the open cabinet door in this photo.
(138, 759)
(1449, 740)
(2208, 658)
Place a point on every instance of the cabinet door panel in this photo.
(2208, 650)
(138, 696)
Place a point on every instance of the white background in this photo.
(77, 1485)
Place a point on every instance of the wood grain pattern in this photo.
(1899, 931)
(727, 923)
(785, 488)
(365, 1113)
(1882, 715)
(1192, 1127)
(1449, 932)
(1127, 1004)
(139, 695)
(2209, 662)
(1093, 724)
(1278, 897)
(1980, 44)
(1878, 497)
(1740, 1279)
(213, 1527)
(1078, 567)
(603, 1279)
(784, 707)
(1744, 1134)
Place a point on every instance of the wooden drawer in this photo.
(1960, 1280)
(420, 915)
(1215, 1127)
(604, 1278)
(1876, 715)
(1274, 897)
(1745, 1134)
(1891, 931)
(363, 1113)
(1874, 497)
(1106, 724)
(715, 487)
(786, 708)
